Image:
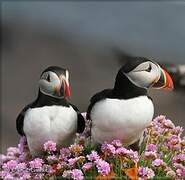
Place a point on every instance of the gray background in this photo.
(80, 37)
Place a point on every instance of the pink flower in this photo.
(168, 123)
(93, 156)
(77, 174)
(52, 158)
(50, 146)
(121, 151)
(179, 158)
(25, 176)
(159, 119)
(181, 172)
(177, 130)
(9, 177)
(174, 142)
(174, 139)
(10, 165)
(150, 155)
(117, 143)
(108, 148)
(3, 174)
(66, 174)
(21, 166)
(133, 155)
(3, 159)
(146, 172)
(36, 163)
(87, 166)
(158, 162)
(73, 161)
(13, 151)
(64, 154)
(103, 167)
(151, 147)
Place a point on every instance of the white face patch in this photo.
(48, 82)
(145, 74)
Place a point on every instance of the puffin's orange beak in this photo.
(65, 87)
(67, 90)
(165, 81)
(169, 82)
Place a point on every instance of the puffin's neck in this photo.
(45, 100)
(125, 89)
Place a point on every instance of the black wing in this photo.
(97, 97)
(20, 119)
(80, 121)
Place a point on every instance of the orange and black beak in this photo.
(67, 92)
(63, 90)
(164, 81)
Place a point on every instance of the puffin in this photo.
(51, 116)
(124, 111)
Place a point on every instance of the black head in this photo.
(139, 74)
(54, 82)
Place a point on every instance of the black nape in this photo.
(125, 89)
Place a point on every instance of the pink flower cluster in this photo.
(162, 154)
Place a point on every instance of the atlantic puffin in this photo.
(126, 110)
(50, 116)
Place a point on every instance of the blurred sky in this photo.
(152, 28)
(80, 36)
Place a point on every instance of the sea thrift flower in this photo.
(146, 172)
(158, 162)
(8, 177)
(10, 165)
(133, 155)
(93, 156)
(117, 143)
(50, 146)
(121, 151)
(36, 163)
(179, 158)
(168, 123)
(77, 174)
(108, 148)
(25, 176)
(73, 161)
(151, 147)
(177, 130)
(150, 155)
(181, 172)
(66, 174)
(64, 154)
(87, 166)
(13, 151)
(3, 159)
(21, 166)
(52, 158)
(103, 167)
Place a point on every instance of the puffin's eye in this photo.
(149, 68)
(48, 78)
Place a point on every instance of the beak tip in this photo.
(169, 82)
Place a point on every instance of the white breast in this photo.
(55, 123)
(121, 119)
